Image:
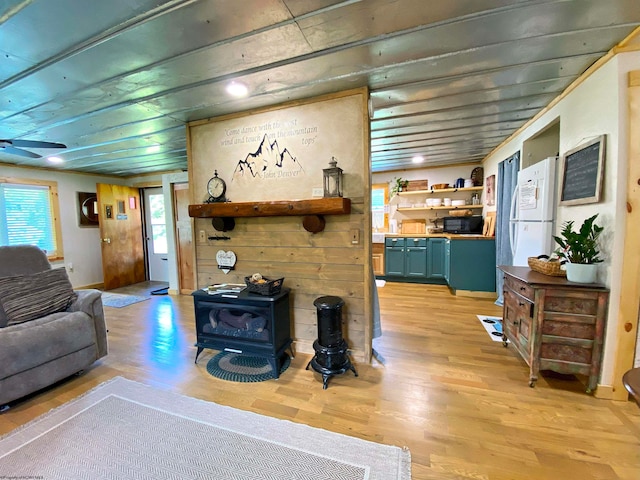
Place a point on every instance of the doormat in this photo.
(493, 326)
(243, 368)
(119, 300)
(124, 429)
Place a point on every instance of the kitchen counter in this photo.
(440, 258)
(379, 237)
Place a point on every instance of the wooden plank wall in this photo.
(627, 333)
(313, 265)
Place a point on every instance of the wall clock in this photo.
(216, 189)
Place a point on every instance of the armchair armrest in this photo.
(90, 302)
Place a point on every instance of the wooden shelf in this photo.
(312, 209)
(319, 206)
(441, 190)
(450, 207)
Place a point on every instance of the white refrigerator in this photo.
(532, 216)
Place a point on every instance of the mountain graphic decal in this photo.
(267, 162)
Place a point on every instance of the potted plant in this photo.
(580, 249)
(399, 186)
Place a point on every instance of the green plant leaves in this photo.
(581, 246)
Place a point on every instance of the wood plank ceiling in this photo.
(116, 81)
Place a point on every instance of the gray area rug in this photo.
(126, 430)
(119, 300)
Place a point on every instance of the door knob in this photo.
(106, 240)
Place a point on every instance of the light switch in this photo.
(355, 236)
(202, 236)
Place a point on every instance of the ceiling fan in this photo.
(11, 146)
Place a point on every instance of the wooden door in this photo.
(121, 235)
(184, 239)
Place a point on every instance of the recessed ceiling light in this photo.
(55, 160)
(237, 89)
(418, 159)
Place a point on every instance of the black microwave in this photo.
(470, 224)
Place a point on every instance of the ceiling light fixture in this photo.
(418, 159)
(55, 160)
(237, 89)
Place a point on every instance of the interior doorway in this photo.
(120, 235)
(156, 244)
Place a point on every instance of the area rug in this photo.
(243, 368)
(119, 300)
(493, 326)
(126, 430)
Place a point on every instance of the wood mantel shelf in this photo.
(312, 209)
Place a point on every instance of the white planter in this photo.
(581, 273)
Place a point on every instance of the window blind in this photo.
(25, 216)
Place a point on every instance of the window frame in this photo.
(54, 206)
(385, 187)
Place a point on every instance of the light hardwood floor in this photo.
(459, 401)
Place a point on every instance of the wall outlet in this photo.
(317, 192)
(202, 236)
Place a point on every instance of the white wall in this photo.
(167, 187)
(81, 245)
(597, 106)
(435, 175)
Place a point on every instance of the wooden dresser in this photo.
(554, 324)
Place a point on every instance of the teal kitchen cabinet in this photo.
(406, 258)
(447, 259)
(436, 255)
(394, 257)
(471, 264)
(415, 257)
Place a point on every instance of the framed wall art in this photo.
(581, 173)
(88, 209)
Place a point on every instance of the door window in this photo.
(158, 224)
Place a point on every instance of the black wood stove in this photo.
(244, 323)
(331, 357)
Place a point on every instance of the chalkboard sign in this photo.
(581, 174)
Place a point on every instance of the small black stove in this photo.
(331, 357)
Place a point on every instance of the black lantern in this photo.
(332, 179)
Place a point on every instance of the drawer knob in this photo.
(516, 322)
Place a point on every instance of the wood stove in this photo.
(331, 357)
(244, 323)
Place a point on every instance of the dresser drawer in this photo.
(519, 287)
(574, 303)
(518, 319)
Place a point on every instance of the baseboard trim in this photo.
(96, 286)
(604, 392)
(475, 294)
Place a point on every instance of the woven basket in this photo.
(269, 288)
(542, 264)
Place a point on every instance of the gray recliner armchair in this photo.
(48, 331)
